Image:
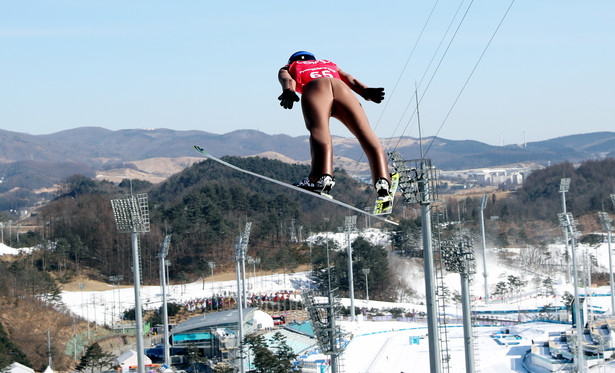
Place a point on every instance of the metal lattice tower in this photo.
(418, 181)
(132, 216)
(441, 306)
(327, 333)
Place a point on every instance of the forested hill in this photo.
(205, 208)
(539, 199)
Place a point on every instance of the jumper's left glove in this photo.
(287, 98)
(374, 94)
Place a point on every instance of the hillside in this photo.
(32, 166)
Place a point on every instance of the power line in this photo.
(471, 74)
(441, 58)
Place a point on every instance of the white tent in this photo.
(17, 368)
(48, 370)
(129, 359)
(263, 320)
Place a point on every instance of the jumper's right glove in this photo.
(287, 98)
(374, 94)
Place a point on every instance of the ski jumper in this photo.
(327, 92)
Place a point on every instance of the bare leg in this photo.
(317, 102)
(348, 110)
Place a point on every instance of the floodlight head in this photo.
(131, 214)
(564, 185)
(165, 245)
(116, 278)
(365, 271)
(483, 202)
(613, 199)
(605, 220)
(350, 222)
(568, 223)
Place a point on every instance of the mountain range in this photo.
(39, 161)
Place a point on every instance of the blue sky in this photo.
(212, 66)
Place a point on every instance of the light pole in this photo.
(116, 279)
(165, 313)
(242, 244)
(212, 265)
(567, 222)
(605, 220)
(82, 286)
(350, 224)
(254, 262)
(366, 272)
(483, 204)
(458, 256)
(564, 186)
(132, 216)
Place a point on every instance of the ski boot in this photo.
(322, 186)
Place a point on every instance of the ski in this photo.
(385, 207)
(202, 151)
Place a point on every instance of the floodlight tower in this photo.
(483, 204)
(254, 261)
(418, 185)
(212, 265)
(244, 250)
(132, 216)
(605, 220)
(568, 223)
(350, 223)
(366, 272)
(458, 256)
(165, 313)
(242, 244)
(564, 186)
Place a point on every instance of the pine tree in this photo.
(273, 357)
(95, 359)
(10, 352)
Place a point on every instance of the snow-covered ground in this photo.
(381, 346)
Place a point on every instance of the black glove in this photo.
(374, 94)
(287, 98)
